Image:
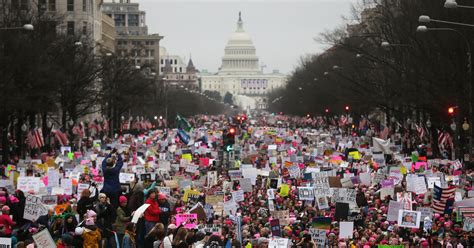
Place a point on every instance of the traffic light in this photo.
(326, 110)
(229, 139)
(451, 110)
(347, 108)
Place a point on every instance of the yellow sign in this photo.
(284, 190)
(187, 156)
(190, 193)
(355, 155)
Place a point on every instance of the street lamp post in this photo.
(469, 73)
(27, 27)
(452, 4)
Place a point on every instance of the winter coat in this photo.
(8, 223)
(121, 221)
(91, 238)
(105, 218)
(152, 213)
(111, 176)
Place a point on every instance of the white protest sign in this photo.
(321, 184)
(66, 184)
(34, 208)
(271, 194)
(278, 243)
(81, 187)
(164, 190)
(126, 177)
(318, 236)
(306, 193)
(191, 168)
(393, 209)
(53, 178)
(230, 207)
(27, 184)
(138, 213)
(43, 239)
(346, 229)
(410, 219)
(5, 243)
(238, 196)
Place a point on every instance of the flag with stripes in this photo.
(343, 120)
(39, 141)
(441, 198)
(421, 132)
(384, 133)
(60, 137)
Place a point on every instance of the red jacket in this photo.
(7, 222)
(152, 213)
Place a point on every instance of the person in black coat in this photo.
(106, 215)
(86, 202)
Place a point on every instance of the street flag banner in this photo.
(182, 123)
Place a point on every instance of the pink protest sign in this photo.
(418, 165)
(188, 220)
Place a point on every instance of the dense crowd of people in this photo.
(285, 182)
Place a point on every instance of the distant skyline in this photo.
(282, 31)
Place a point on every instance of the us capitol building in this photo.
(240, 73)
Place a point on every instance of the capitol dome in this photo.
(240, 53)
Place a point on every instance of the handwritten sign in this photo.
(43, 239)
(49, 199)
(318, 236)
(306, 193)
(34, 208)
(238, 196)
(126, 177)
(28, 184)
(190, 221)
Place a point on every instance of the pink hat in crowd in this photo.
(3, 199)
(13, 199)
(91, 213)
(122, 199)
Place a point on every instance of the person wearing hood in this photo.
(86, 202)
(111, 167)
(91, 234)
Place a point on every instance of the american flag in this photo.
(444, 140)
(441, 197)
(421, 132)
(343, 120)
(60, 137)
(39, 137)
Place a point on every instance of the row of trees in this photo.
(49, 77)
(382, 62)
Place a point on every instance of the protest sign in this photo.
(318, 236)
(191, 168)
(425, 212)
(342, 211)
(43, 239)
(189, 221)
(393, 209)
(347, 182)
(275, 228)
(191, 194)
(235, 174)
(346, 229)
(66, 184)
(211, 178)
(321, 223)
(245, 184)
(49, 199)
(164, 190)
(468, 224)
(28, 184)
(210, 228)
(81, 187)
(322, 202)
(282, 215)
(294, 171)
(5, 243)
(271, 194)
(126, 177)
(34, 208)
(238, 196)
(139, 212)
(410, 219)
(214, 199)
(321, 184)
(306, 193)
(230, 207)
(278, 243)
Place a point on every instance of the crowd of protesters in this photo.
(178, 171)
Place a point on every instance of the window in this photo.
(119, 20)
(151, 52)
(161, 61)
(84, 28)
(161, 69)
(175, 61)
(133, 20)
(52, 5)
(70, 5)
(152, 43)
(84, 5)
(180, 69)
(70, 28)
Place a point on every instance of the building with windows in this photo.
(76, 16)
(176, 72)
(132, 33)
(240, 73)
(108, 34)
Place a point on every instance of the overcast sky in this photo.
(282, 30)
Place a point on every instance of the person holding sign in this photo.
(111, 167)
